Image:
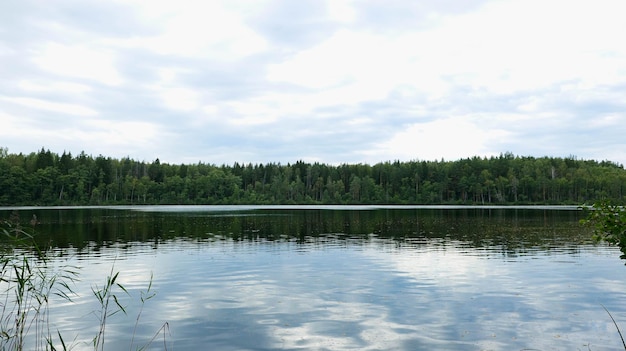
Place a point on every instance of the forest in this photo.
(45, 178)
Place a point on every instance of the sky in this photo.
(334, 81)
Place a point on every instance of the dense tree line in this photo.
(45, 178)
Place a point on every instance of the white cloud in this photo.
(172, 93)
(341, 10)
(120, 135)
(607, 121)
(58, 87)
(79, 61)
(264, 109)
(332, 63)
(97, 136)
(221, 67)
(64, 108)
(12, 126)
(180, 99)
(505, 48)
(522, 45)
(196, 29)
(449, 138)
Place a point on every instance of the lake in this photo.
(337, 277)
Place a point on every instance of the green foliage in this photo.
(609, 224)
(45, 178)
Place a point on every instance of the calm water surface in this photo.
(340, 278)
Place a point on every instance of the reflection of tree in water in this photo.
(514, 231)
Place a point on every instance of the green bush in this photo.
(609, 224)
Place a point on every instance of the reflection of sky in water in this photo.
(228, 295)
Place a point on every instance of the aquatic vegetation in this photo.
(104, 295)
(28, 281)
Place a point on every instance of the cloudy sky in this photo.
(330, 81)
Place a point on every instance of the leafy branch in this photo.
(609, 224)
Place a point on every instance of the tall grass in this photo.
(616, 327)
(104, 295)
(107, 297)
(165, 328)
(28, 280)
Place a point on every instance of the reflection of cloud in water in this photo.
(433, 263)
(229, 296)
(324, 312)
(500, 304)
(345, 326)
